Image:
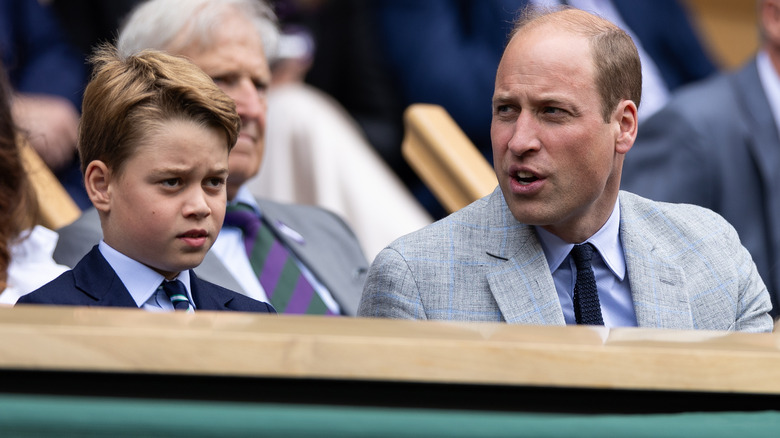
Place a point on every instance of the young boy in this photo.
(154, 139)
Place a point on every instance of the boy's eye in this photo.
(215, 182)
(170, 182)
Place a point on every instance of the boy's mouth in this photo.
(195, 238)
(194, 233)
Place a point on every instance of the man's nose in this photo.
(250, 102)
(525, 136)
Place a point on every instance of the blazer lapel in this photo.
(522, 285)
(207, 297)
(96, 279)
(657, 283)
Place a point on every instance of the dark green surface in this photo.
(43, 416)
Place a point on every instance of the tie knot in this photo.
(177, 293)
(244, 217)
(582, 254)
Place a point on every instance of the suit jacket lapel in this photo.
(657, 283)
(207, 297)
(522, 285)
(96, 278)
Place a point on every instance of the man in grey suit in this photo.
(229, 40)
(564, 116)
(716, 145)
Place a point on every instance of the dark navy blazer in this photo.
(93, 282)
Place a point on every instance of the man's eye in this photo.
(260, 86)
(503, 109)
(226, 80)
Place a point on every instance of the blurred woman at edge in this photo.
(25, 247)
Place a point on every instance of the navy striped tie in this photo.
(178, 294)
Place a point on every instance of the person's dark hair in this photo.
(615, 57)
(18, 205)
(129, 98)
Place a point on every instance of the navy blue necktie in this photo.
(587, 309)
(178, 294)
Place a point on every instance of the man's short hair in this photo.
(129, 98)
(615, 57)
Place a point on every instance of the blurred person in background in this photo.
(25, 248)
(47, 76)
(716, 144)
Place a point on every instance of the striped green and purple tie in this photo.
(286, 287)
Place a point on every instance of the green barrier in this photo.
(23, 416)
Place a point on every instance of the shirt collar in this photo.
(606, 241)
(140, 280)
(244, 196)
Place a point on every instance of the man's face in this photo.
(554, 156)
(166, 207)
(236, 62)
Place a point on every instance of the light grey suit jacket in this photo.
(330, 249)
(716, 145)
(480, 264)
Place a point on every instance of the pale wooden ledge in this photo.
(444, 158)
(57, 208)
(241, 344)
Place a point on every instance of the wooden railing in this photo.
(444, 158)
(247, 346)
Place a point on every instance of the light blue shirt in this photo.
(609, 268)
(230, 249)
(142, 281)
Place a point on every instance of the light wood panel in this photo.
(57, 208)
(444, 158)
(241, 344)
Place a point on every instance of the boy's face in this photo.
(166, 207)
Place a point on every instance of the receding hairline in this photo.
(574, 20)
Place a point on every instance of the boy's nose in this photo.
(197, 205)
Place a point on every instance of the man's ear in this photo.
(97, 181)
(627, 122)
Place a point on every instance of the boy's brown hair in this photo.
(127, 98)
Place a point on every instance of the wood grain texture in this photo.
(243, 344)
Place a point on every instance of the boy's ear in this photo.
(97, 179)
